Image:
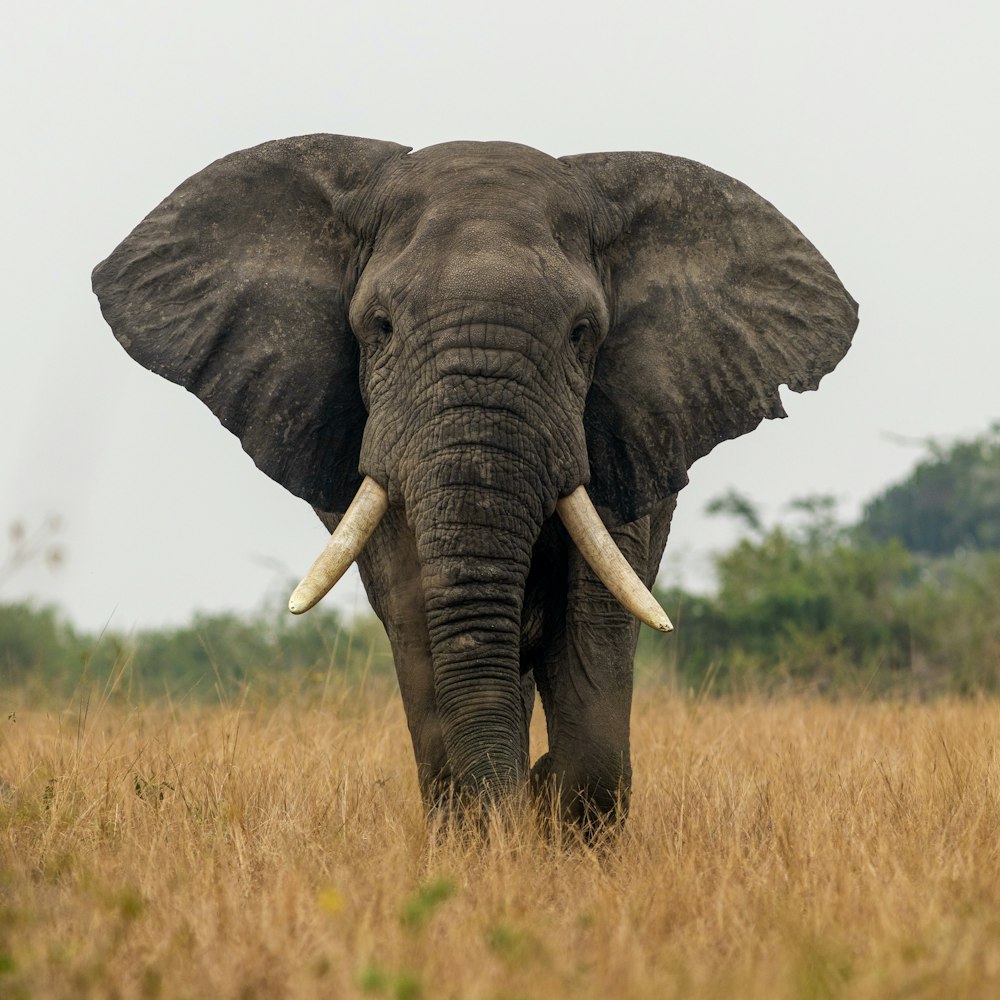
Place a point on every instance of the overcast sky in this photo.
(872, 126)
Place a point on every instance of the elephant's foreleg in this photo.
(586, 682)
(391, 575)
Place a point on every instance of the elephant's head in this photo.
(479, 329)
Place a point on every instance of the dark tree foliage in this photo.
(810, 603)
(796, 605)
(951, 501)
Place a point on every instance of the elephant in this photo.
(488, 370)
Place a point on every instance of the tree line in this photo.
(907, 599)
(213, 656)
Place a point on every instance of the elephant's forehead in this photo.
(449, 156)
(498, 180)
(483, 220)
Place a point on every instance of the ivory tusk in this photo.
(348, 539)
(597, 546)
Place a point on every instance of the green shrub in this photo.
(213, 656)
(819, 606)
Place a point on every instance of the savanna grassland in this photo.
(790, 847)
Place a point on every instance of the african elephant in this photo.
(463, 337)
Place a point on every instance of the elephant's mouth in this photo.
(576, 512)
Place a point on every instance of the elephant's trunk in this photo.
(476, 510)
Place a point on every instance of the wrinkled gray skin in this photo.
(482, 328)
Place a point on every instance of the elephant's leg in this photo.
(542, 628)
(391, 575)
(586, 681)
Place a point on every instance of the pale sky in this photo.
(872, 126)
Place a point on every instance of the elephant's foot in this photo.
(594, 804)
(436, 788)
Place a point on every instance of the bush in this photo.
(816, 606)
(215, 655)
(38, 645)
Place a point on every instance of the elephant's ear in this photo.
(236, 288)
(717, 301)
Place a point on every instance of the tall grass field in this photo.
(276, 847)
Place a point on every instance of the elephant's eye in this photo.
(382, 325)
(579, 331)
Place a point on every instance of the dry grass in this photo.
(791, 848)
